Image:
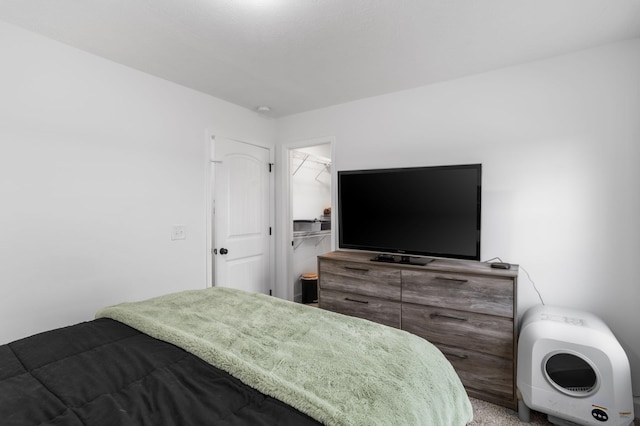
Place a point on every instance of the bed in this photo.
(227, 357)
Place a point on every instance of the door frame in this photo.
(285, 277)
(210, 196)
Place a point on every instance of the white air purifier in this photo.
(572, 368)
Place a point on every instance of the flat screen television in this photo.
(420, 211)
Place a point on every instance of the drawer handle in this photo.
(352, 268)
(356, 300)
(453, 317)
(453, 280)
(456, 355)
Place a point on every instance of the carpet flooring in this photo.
(486, 414)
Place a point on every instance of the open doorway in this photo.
(310, 183)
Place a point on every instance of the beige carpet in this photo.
(494, 415)
(485, 413)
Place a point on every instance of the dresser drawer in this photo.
(382, 311)
(485, 377)
(487, 334)
(465, 308)
(475, 293)
(360, 278)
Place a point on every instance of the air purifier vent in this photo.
(580, 390)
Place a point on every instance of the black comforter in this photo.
(105, 373)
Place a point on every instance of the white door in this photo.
(241, 216)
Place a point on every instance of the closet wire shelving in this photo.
(324, 167)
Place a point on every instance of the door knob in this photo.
(224, 251)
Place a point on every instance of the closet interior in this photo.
(311, 213)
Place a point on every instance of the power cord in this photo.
(525, 271)
(534, 287)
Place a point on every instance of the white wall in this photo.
(97, 162)
(559, 141)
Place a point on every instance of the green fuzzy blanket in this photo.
(337, 369)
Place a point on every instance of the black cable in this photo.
(525, 271)
(532, 283)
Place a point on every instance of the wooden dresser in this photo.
(466, 308)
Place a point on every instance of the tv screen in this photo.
(426, 211)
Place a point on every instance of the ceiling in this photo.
(300, 55)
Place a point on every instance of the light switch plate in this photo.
(179, 232)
